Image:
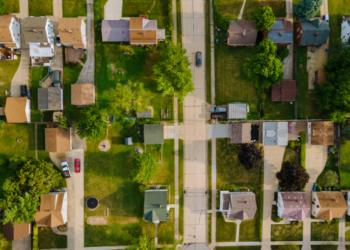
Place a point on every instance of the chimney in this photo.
(280, 33)
(35, 31)
(69, 31)
(244, 32)
(246, 202)
(316, 34)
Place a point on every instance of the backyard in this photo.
(40, 7)
(37, 74)
(12, 6)
(7, 71)
(48, 239)
(344, 169)
(228, 167)
(337, 9)
(117, 191)
(287, 232)
(276, 110)
(321, 231)
(74, 8)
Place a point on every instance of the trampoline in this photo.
(92, 202)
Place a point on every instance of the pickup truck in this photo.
(217, 109)
(65, 169)
(221, 115)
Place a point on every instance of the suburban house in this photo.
(345, 30)
(320, 77)
(312, 33)
(281, 33)
(72, 32)
(284, 91)
(136, 31)
(52, 211)
(50, 98)
(241, 133)
(242, 33)
(57, 140)
(16, 232)
(238, 205)
(275, 133)
(237, 111)
(10, 32)
(153, 133)
(83, 94)
(293, 205)
(17, 110)
(328, 205)
(146, 113)
(320, 133)
(155, 205)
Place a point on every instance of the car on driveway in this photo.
(77, 165)
(65, 168)
(199, 59)
(217, 109)
(58, 41)
(23, 89)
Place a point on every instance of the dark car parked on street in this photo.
(199, 59)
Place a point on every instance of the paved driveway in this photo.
(21, 76)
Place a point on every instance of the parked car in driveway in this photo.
(77, 165)
(199, 59)
(217, 109)
(23, 89)
(65, 168)
(58, 41)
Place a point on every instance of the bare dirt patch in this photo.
(97, 220)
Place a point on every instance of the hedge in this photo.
(261, 212)
(35, 238)
(170, 14)
(303, 149)
(216, 11)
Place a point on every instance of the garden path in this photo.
(241, 11)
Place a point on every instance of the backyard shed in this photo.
(128, 141)
(153, 133)
(155, 205)
(237, 111)
(320, 77)
(284, 91)
(146, 113)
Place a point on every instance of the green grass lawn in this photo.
(277, 110)
(347, 236)
(239, 248)
(321, 231)
(291, 155)
(178, 22)
(7, 71)
(286, 232)
(307, 106)
(228, 168)
(281, 248)
(38, 73)
(209, 173)
(117, 191)
(344, 169)
(40, 8)
(330, 165)
(278, 7)
(181, 187)
(209, 227)
(48, 239)
(325, 247)
(12, 6)
(74, 8)
(8, 243)
(208, 51)
(229, 84)
(230, 8)
(225, 231)
(337, 9)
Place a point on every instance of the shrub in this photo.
(216, 11)
(170, 14)
(297, 143)
(35, 238)
(283, 53)
(275, 217)
(225, 22)
(291, 144)
(262, 96)
(303, 149)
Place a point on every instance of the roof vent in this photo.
(316, 34)
(244, 32)
(280, 33)
(336, 201)
(246, 202)
(69, 31)
(35, 31)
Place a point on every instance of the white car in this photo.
(58, 41)
(65, 168)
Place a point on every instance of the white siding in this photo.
(28, 110)
(15, 28)
(280, 205)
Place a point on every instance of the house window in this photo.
(318, 206)
(314, 213)
(313, 203)
(298, 29)
(301, 32)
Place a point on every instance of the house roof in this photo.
(49, 212)
(5, 32)
(50, 98)
(57, 140)
(136, 23)
(115, 31)
(320, 77)
(275, 133)
(240, 205)
(145, 113)
(313, 27)
(296, 205)
(82, 94)
(155, 205)
(16, 232)
(322, 133)
(237, 111)
(153, 133)
(333, 205)
(285, 91)
(143, 36)
(34, 29)
(242, 32)
(281, 32)
(15, 109)
(70, 31)
(240, 133)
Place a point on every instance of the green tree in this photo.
(23, 209)
(307, 9)
(94, 124)
(144, 167)
(292, 177)
(2, 127)
(283, 53)
(328, 179)
(131, 97)
(250, 156)
(264, 18)
(62, 122)
(3, 6)
(225, 22)
(142, 243)
(173, 73)
(264, 67)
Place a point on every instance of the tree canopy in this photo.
(250, 156)
(334, 93)
(328, 179)
(3, 6)
(94, 124)
(173, 73)
(142, 243)
(307, 9)
(62, 122)
(2, 127)
(264, 66)
(130, 97)
(264, 18)
(292, 177)
(144, 167)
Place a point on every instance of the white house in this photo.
(275, 133)
(39, 35)
(292, 205)
(345, 30)
(10, 32)
(17, 110)
(72, 32)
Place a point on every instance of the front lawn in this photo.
(74, 8)
(230, 8)
(48, 239)
(7, 72)
(228, 168)
(278, 7)
(279, 247)
(40, 8)
(291, 155)
(330, 165)
(12, 6)
(287, 232)
(325, 247)
(321, 231)
(225, 231)
(344, 163)
(239, 248)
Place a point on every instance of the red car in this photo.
(77, 165)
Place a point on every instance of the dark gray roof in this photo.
(310, 28)
(281, 32)
(49, 98)
(34, 29)
(153, 133)
(116, 30)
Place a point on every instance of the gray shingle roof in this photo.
(242, 32)
(49, 98)
(281, 32)
(310, 28)
(115, 31)
(153, 133)
(35, 29)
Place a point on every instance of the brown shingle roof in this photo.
(285, 91)
(242, 32)
(243, 206)
(333, 205)
(136, 23)
(296, 205)
(143, 36)
(322, 133)
(16, 232)
(49, 213)
(83, 94)
(69, 30)
(5, 32)
(34, 29)
(57, 140)
(240, 133)
(15, 109)
(320, 77)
